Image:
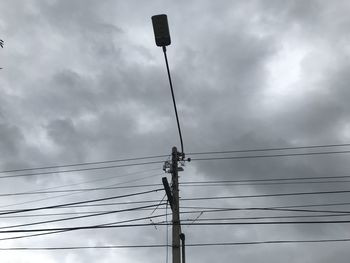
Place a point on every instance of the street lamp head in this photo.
(161, 30)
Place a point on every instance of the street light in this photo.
(162, 37)
(161, 30)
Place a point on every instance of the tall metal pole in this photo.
(176, 208)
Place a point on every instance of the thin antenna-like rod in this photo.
(173, 96)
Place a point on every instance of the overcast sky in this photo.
(83, 81)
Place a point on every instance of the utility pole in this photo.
(173, 198)
(162, 37)
(176, 207)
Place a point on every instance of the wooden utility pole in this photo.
(176, 209)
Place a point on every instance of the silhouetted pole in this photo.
(176, 208)
(162, 37)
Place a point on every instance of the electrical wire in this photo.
(268, 156)
(82, 164)
(192, 184)
(57, 230)
(77, 203)
(80, 190)
(201, 209)
(281, 208)
(271, 149)
(68, 230)
(189, 245)
(265, 195)
(267, 184)
(92, 205)
(270, 209)
(74, 193)
(166, 235)
(47, 190)
(79, 217)
(165, 155)
(82, 247)
(273, 207)
(80, 169)
(114, 203)
(78, 228)
(266, 180)
(98, 180)
(157, 206)
(314, 222)
(218, 209)
(268, 242)
(315, 205)
(192, 220)
(270, 223)
(55, 214)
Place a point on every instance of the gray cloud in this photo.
(83, 81)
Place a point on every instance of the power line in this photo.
(165, 155)
(77, 203)
(114, 203)
(270, 223)
(2, 212)
(259, 217)
(167, 235)
(201, 209)
(83, 247)
(82, 164)
(92, 205)
(101, 226)
(70, 194)
(265, 195)
(80, 190)
(274, 207)
(260, 183)
(67, 230)
(79, 217)
(190, 245)
(80, 169)
(99, 179)
(269, 209)
(271, 149)
(46, 190)
(313, 205)
(79, 228)
(218, 209)
(266, 179)
(268, 156)
(54, 214)
(192, 184)
(268, 242)
(165, 224)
